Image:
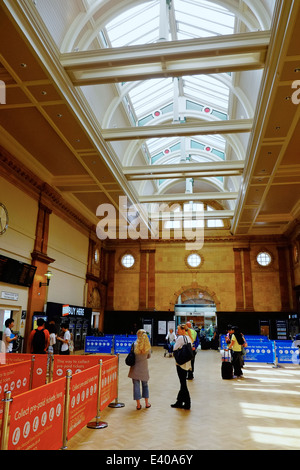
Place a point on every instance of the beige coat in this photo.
(140, 369)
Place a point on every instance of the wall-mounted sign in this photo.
(9, 295)
(72, 311)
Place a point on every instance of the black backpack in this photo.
(38, 342)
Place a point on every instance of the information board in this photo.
(123, 344)
(260, 352)
(98, 344)
(286, 353)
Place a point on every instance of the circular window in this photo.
(127, 261)
(194, 260)
(263, 258)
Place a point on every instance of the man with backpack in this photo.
(39, 339)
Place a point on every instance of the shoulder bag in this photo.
(130, 359)
(185, 353)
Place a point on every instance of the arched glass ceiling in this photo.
(194, 18)
(155, 101)
(188, 99)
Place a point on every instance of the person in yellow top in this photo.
(193, 335)
(236, 344)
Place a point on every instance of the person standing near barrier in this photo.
(65, 350)
(183, 397)
(39, 338)
(236, 344)
(139, 373)
(9, 337)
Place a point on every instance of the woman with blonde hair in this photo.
(139, 373)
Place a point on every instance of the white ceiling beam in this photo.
(223, 214)
(182, 197)
(168, 59)
(205, 169)
(200, 128)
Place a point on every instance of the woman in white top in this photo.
(183, 397)
(9, 337)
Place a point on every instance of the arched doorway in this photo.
(199, 304)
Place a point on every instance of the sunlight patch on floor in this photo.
(282, 436)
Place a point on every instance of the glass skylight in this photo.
(200, 18)
(138, 25)
(154, 101)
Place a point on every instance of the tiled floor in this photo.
(259, 412)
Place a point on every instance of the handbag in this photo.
(184, 354)
(130, 359)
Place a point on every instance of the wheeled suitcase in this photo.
(226, 367)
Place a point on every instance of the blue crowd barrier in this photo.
(122, 344)
(260, 352)
(260, 349)
(98, 344)
(286, 353)
(109, 344)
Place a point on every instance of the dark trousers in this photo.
(190, 373)
(237, 363)
(65, 353)
(183, 394)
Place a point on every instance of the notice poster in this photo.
(37, 418)
(15, 378)
(73, 363)
(109, 382)
(39, 375)
(83, 399)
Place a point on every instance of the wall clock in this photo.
(3, 218)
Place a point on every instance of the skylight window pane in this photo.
(151, 95)
(206, 18)
(139, 25)
(207, 90)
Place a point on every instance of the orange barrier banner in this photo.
(39, 376)
(75, 363)
(37, 418)
(83, 399)
(109, 382)
(15, 378)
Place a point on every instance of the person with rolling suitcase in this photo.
(236, 344)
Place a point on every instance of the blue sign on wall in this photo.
(123, 344)
(98, 344)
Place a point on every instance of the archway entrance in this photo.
(199, 306)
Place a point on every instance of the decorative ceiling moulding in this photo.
(25, 15)
(285, 18)
(16, 173)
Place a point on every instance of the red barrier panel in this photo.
(39, 376)
(37, 418)
(75, 363)
(109, 381)
(15, 378)
(83, 399)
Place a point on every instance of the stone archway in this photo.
(195, 289)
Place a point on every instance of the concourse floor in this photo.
(259, 412)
